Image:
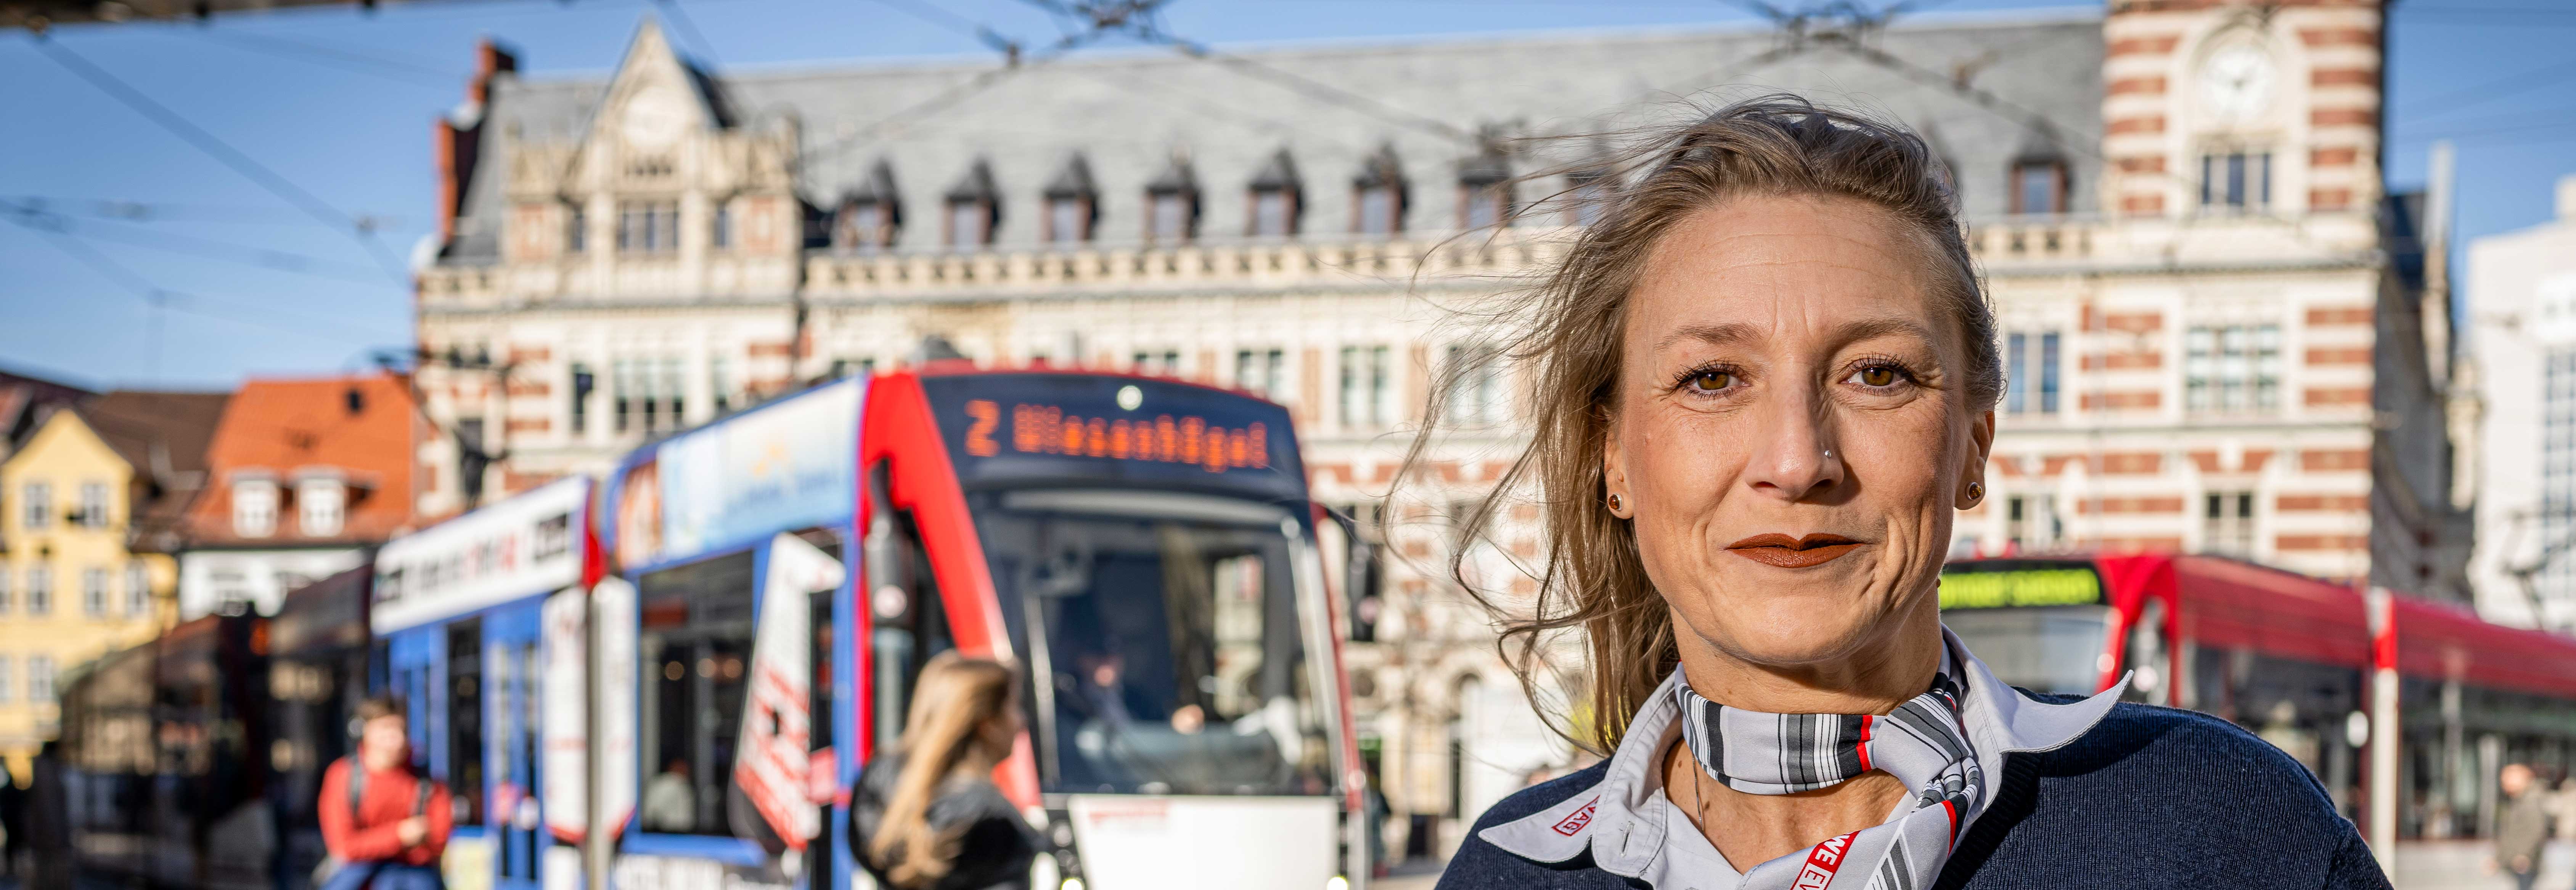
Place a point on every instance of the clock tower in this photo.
(2239, 108)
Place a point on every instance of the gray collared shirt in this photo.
(1634, 831)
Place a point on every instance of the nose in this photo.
(1795, 460)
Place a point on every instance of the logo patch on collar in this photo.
(1573, 824)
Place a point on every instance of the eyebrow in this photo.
(1736, 332)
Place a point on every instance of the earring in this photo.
(1976, 492)
(1615, 504)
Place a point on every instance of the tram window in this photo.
(465, 719)
(695, 648)
(1171, 640)
(904, 640)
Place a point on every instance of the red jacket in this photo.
(368, 834)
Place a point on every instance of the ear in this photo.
(1614, 471)
(1981, 445)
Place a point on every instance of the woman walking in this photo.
(927, 815)
(1764, 379)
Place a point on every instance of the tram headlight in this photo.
(1337, 882)
(1073, 883)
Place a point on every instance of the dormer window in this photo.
(1377, 195)
(1172, 204)
(254, 507)
(1276, 198)
(868, 216)
(720, 229)
(1071, 204)
(1484, 190)
(321, 506)
(974, 208)
(2039, 186)
(576, 229)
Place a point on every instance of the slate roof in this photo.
(1128, 113)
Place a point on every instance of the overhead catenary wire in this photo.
(207, 248)
(2497, 88)
(331, 57)
(163, 298)
(149, 212)
(211, 146)
(689, 28)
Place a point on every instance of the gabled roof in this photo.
(976, 184)
(164, 437)
(1073, 180)
(1177, 179)
(361, 429)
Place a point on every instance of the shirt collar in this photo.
(1621, 818)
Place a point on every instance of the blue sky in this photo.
(340, 103)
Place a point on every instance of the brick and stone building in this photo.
(2178, 205)
(2522, 292)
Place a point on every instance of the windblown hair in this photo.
(378, 706)
(1566, 335)
(948, 735)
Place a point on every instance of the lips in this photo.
(1786, 552)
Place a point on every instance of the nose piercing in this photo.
(1829, 454)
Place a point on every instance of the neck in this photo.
(1882, 671)
(1878, 672)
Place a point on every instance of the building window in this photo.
(720, 383)
(2236, 180)
(1484, 190)
(2227, 523)
(40, 590)
(720, 230)
(8, 684)
(1166, 363)
(254, 508)
(93, 505)
(1173, 218)
(320, 505)
(2030, 373)
(1368, 396)
(1068, 220)
(649, 227)
(40, 679)
(94, 592)
(863, 227)
(1277, 196)
(1263, 371)
(576, 230)
(649, 394)
(1476, 385)
(1591, 194)
(8, 596)
(138, 589)
(2030, 522)
(2558, 468)
(974, 208)
(37, 508)
(2039, 187)
(1072, 204)
(2232, 368)
(583, 382)
(1377, 195)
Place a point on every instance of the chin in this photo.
(1767, 622)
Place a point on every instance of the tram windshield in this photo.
(1165, 639)
(2055, 649)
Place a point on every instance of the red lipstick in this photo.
(1793, 553)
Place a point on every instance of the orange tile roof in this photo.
(363, 428)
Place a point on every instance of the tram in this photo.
(1143, 548)
(2289, 658)
(162, 745)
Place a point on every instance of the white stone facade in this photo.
(2522, 296)
(2180, 356)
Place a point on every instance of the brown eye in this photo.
(1711, 381)
(1877, 375)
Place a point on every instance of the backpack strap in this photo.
(420, 796)
(357, 773)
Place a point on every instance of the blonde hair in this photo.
(947, 735)
(1568, 329)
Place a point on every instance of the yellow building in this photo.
(80, 498)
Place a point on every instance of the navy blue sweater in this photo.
(2150, 797)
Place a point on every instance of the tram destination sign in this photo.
(521, 547)
(2007, 583)
(1048, 428)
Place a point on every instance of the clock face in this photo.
(652, 118)
(2236, 82)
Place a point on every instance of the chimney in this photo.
(457, 134)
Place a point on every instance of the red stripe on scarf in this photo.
(1866, 720)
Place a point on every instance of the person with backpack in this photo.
(384, 824)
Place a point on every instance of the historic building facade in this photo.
(2177, 205)
(2522, 292)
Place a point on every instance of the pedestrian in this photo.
(2523, 828)
(1763, 383)
(384, 825)
(13, 820)
(927, 816)
(49, 820)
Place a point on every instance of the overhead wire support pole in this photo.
(216, 148)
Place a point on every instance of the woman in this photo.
(1764, 379)
(927, 816)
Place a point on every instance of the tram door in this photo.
(412, 661)
(512, 661)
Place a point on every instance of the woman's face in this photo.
(1792, 427)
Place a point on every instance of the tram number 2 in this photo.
(985, 415)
